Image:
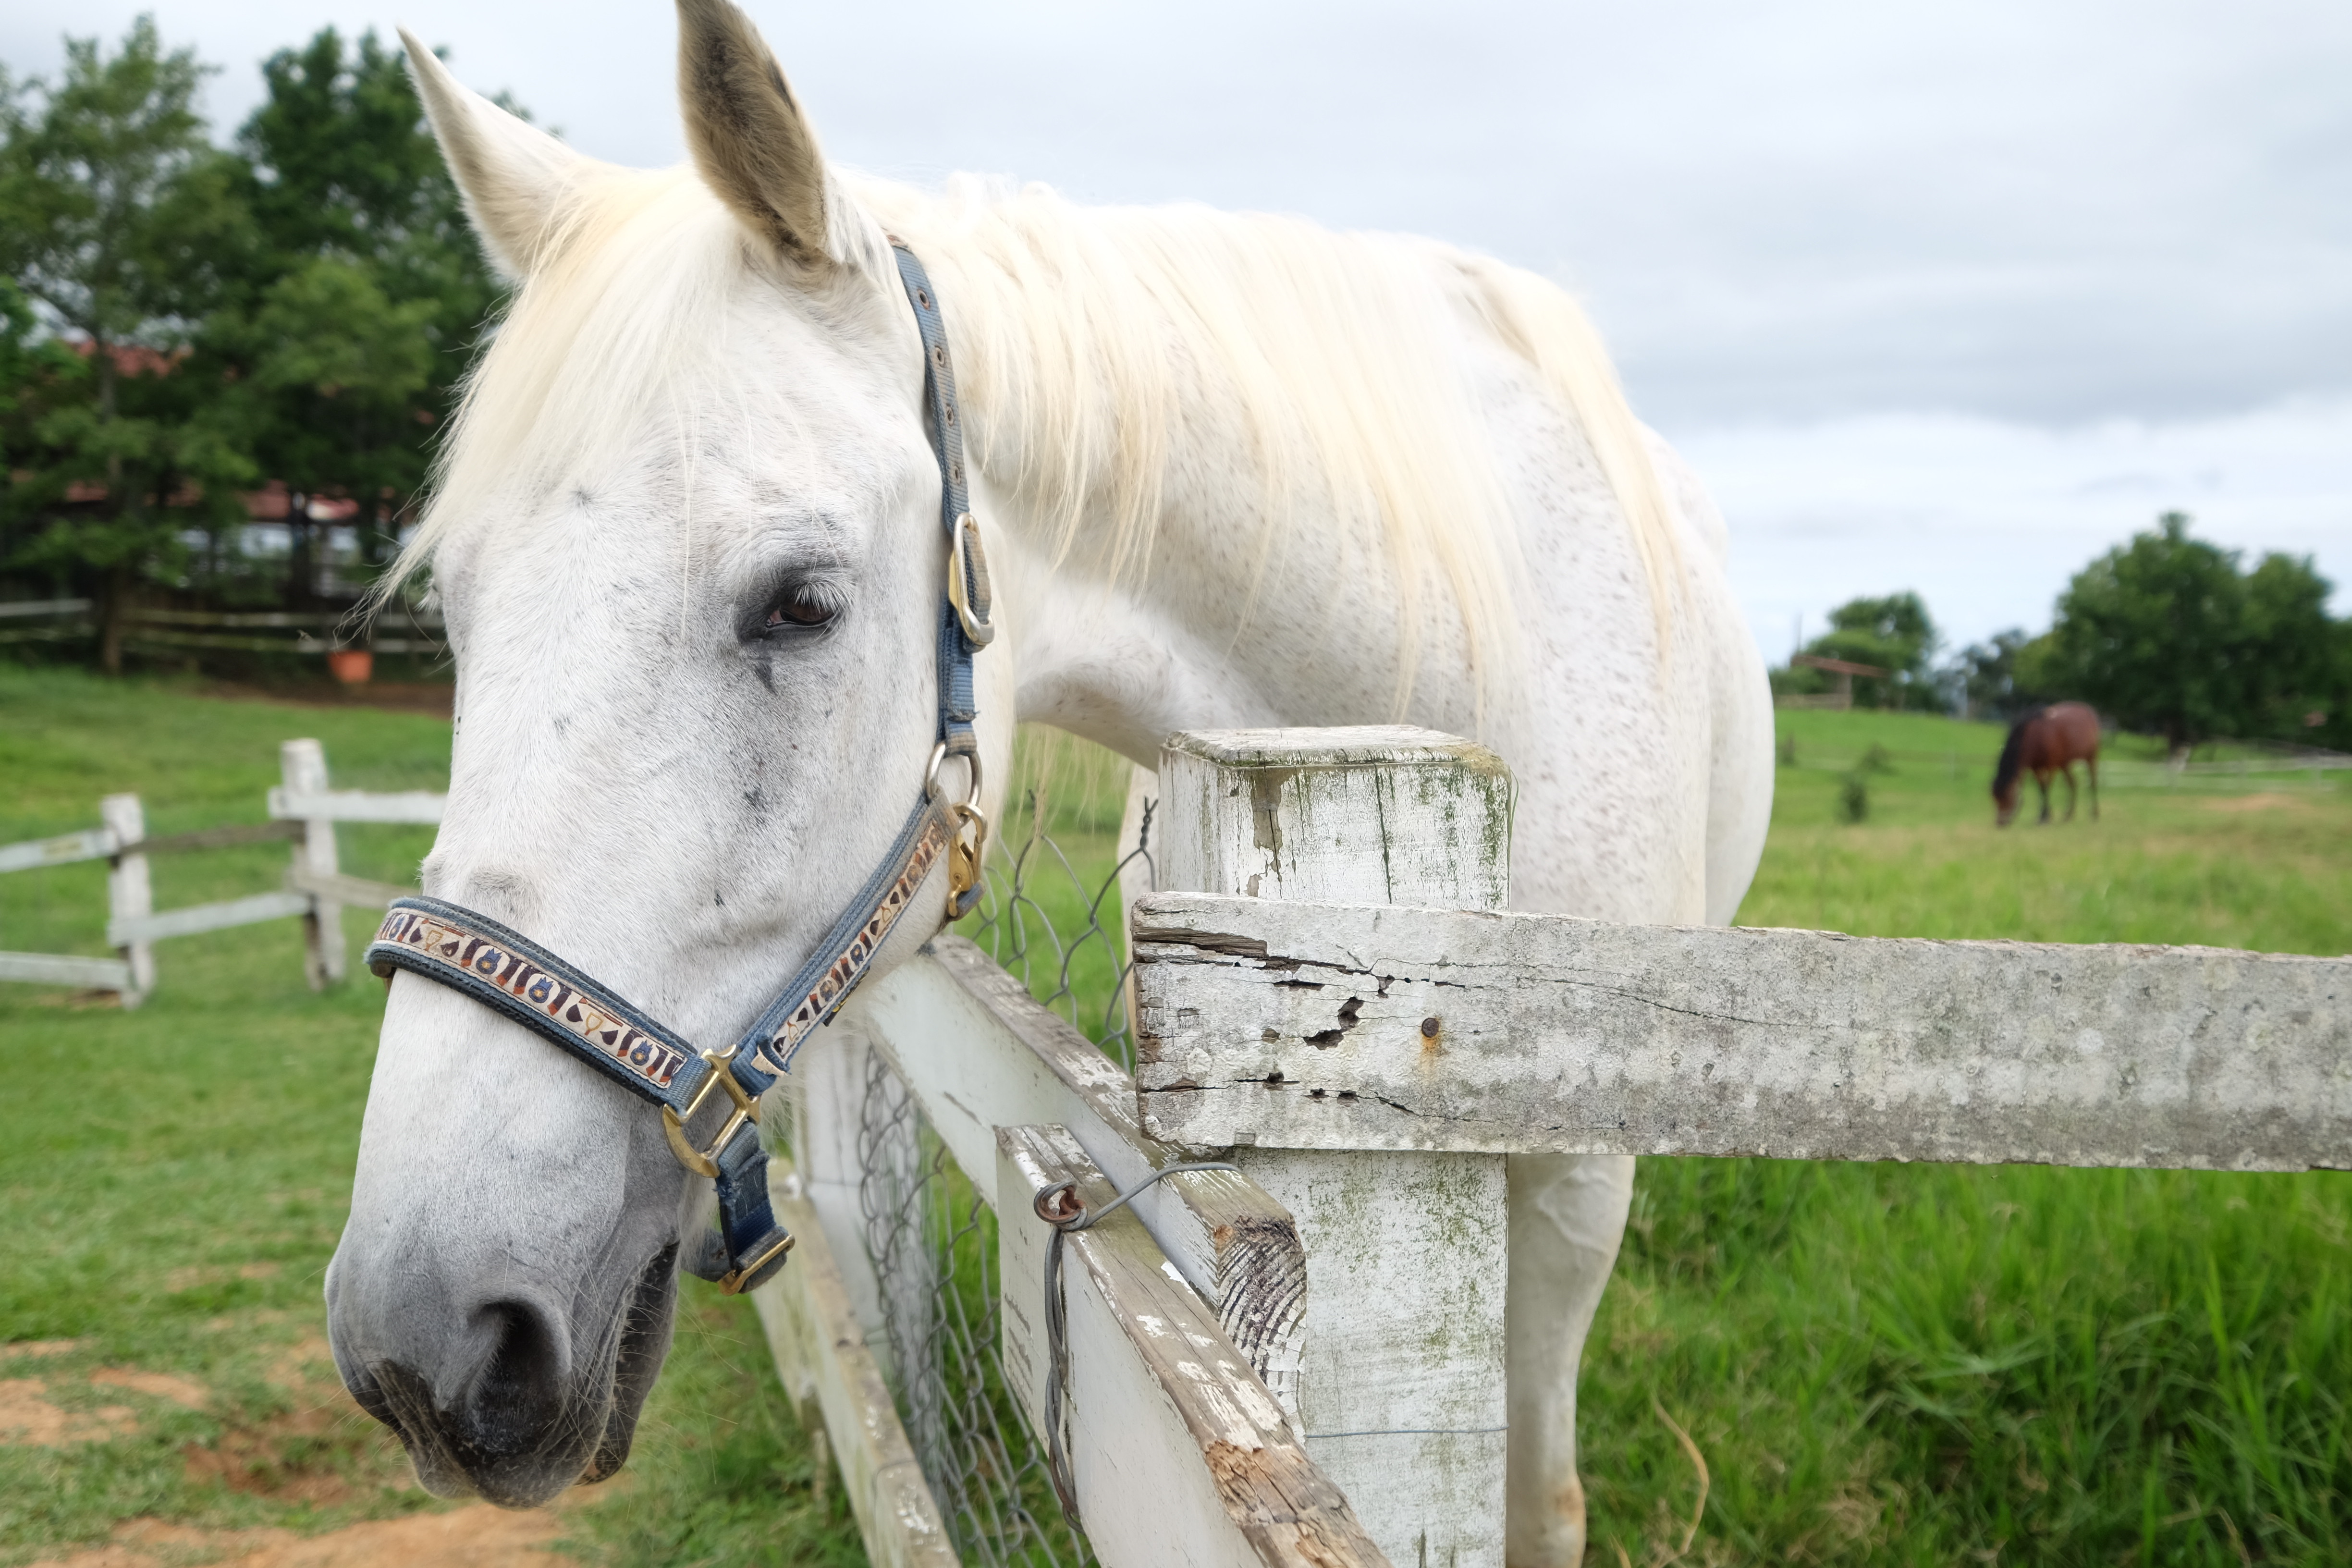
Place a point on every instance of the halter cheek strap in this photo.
(509, 974)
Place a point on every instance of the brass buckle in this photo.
(702, 1162)
(968, 828)
(968, 587)
(732, 1282)
(964, 849)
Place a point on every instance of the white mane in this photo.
(1086, 342)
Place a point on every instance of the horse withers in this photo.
(2048, 741)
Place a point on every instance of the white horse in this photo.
(1231, 471)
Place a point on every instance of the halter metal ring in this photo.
(932, 775)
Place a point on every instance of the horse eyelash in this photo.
(817, 592)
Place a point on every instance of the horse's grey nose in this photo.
(513, 1394)
(498, 1415)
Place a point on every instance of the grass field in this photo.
(174, 1179)
(1906, 1365)
(1879, 1364)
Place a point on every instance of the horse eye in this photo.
(804, 606)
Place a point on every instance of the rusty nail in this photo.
(1056, 1204)
(1429, 1028)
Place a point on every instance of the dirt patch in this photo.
(2262, 800)
(430, 697)
(324, 1451)
(76, 1001)
(29, 1419)
(196, 1275)
(24, 1349)
(480, 1536)
(159, 1384)
(303, 1364)
(320, 1454)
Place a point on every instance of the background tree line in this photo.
(181, 322)
(2164, 634)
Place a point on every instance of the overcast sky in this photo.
(1949, 299)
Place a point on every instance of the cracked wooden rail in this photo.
(1350, 1026)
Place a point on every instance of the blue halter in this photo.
(511, 974)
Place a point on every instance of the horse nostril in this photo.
(518, 1393)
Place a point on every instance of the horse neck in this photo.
(1209, 578)
(1223, 627)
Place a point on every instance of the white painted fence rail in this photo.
(301, 808)
(1302, 1363)
(1185, 1311)
(1341, 1006)
(1347, 1026)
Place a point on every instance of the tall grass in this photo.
(1901, 1364)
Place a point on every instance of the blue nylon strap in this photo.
(957, 703)
(509, 974)
(842, 959)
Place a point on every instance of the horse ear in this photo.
(751, 140)
(513, 175)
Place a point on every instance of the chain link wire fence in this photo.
(1055, 918)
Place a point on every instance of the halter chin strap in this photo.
(511, 974)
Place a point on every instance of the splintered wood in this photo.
(1402, 1384)
(978, 1054)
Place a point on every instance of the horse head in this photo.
(2009, 774)
(686, 540)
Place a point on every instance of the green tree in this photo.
(2157, 633)
(2292, 661)
(116, 216)
(30, 361)
(368, 291)
(1988, 676)
(1894, 633)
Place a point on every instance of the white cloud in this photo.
(2111, 207)
(1950, 297)
(1988, 520)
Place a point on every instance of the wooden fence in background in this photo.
(302, 809)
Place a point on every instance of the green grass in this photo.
(1901, 1364)
(1059, 845)
(175, 1178)
(1880, 1364)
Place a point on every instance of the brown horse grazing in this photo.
(2048, 741)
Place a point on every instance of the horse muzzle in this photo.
(495, 1399)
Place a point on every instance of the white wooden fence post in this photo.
(1402, 1389)
(128, 893)
(827, 1085)
(303, 768)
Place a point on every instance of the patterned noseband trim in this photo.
(822, 999)
(468, 952)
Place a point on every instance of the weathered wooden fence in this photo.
(308, 632)
(302, 809)
(1328, 994)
